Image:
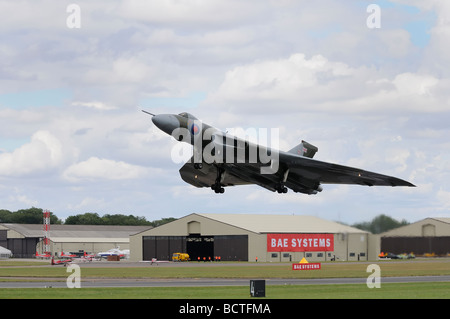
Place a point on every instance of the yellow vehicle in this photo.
(180, 257)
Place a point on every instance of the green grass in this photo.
(18, 262)
(329, 270)
(15, 270)
(436, 290)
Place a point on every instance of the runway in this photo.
(212, 282)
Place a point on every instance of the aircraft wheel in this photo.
(281, 189)
(218, 189)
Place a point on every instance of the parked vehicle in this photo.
(180, 257)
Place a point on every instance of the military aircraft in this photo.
(220, 160)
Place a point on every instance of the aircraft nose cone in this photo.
(166, 122)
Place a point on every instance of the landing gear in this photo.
(280, 188)
(217, 186)
(198, 165)
(218, 189)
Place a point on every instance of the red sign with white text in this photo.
(300, 242)
(308, 266)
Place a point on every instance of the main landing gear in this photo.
(280, 188)
(217, 186)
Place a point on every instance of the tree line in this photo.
(34, 216)
(380, 224)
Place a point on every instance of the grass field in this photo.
(22, 272)
(232, 270)
(437, 290)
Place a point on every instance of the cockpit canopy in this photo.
(188, 115)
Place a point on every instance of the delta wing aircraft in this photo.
(220, 160)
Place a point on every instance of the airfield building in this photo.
(264, 238)
(427, 237)
(24, 240)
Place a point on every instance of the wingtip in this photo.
(408, 184)
(401, 182)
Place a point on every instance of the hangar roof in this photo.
(262, 223)
(64, 233)
(440, 227)
(442, 219)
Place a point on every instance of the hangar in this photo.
(427, 236)
(254, 237)
(25, 239)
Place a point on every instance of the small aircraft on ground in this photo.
(46, 255)
(87, 256)
(114, 252)
(61, 261)
(154, 261)
(384, 255)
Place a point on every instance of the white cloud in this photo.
(282, 79)
(42, 153)
(399, 158)
(18, 197)
(103, 169)
(313, 70)
(194, 14)
(443, 198)
(88, 203)
(96, 105)
(317, 84)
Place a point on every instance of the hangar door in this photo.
(162, 247)
(232, 247)
(229, 248)
(416, 245)
(200, 247)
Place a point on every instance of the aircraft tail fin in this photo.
(304, 149)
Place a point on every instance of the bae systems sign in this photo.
(300, 242)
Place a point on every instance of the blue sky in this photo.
(39, 98)
(418, 24)
(73, 138)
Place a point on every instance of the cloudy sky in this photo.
(370, 90)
